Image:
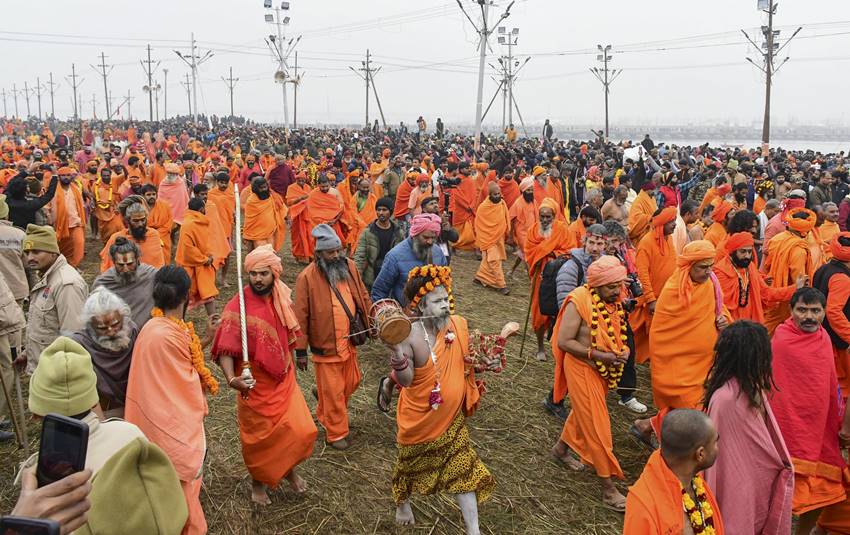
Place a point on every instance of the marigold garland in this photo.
(699, 513)
(97, 196)
(207, 380)
(612, 372)
(439, 275)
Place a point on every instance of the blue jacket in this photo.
(397, 264)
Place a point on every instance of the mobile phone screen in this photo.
(63, 448)
(10, 525)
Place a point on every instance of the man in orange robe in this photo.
(590, 353)
(655, 504)
(329, 293)
(160, 218)
(195, 254)
(435, 453)
(745, 293)
(69, 217)
(299, 226)
(510, 189)
(462, 206)
(547, 239)
(364, 204)
(588, 216)
(640, 214)
(264, 222)
(401, 211)
(219, 241)
(491, 228)
(721, 215)
(656, 261)
(166, 391)
(225, 200)
(833, 280)
(324, 205)
(523, 216)
(689, 308)
(173, 191)
(275, 426)
(105, 205)
(135, 215)
(787, 256)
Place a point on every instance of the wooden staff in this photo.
(528, 314)
(243, 328)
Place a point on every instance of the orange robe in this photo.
(510, 191)
(157, 174)
(760, 294)
(787, 256)
(577, 232)
(539, 250)
(106, 200)
(587, 430)
(758, 204)
(365, 217)
(402, 200)
(225, 201)
(219, 241)
(263, 222)
(462, 206)
(491, 226)
(323, 208)
(716, 234)
(299, 225)
(654, 502)
(640, 216)
(71, 240)
(656, 262)
(151, 248)
(193, 250)
(166, 401)
(553, 191)
(681, 341)
(161, 220)
(523, 216)
(826, 233)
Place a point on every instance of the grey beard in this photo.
(335, 272)
(114, 344)
(437, 324)
(127, 278)
(423, 253)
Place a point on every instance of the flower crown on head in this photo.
(439, 275)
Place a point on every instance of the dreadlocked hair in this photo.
(742, 352)
(423, 279)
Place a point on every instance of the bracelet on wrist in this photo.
(230, 382)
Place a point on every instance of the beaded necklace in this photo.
(612, 372)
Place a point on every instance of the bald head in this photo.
(688, 435)
(494, 192)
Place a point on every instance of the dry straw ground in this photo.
(349, 492)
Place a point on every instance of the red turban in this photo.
(423, 222)
(739, 240)
(721, 211)
(723, 190)
(840, 252)
(790, 204)
(423, 179)
(606, 270)
(803, 226)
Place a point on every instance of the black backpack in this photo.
(548, 295)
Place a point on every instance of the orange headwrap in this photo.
(803, 226)
(721, 211)
(264, 257)
(723, 190)
(66, 171)
(550, 203)
(664, 216)
(355, 172)
(423, 179)
(840, 252)
(606, 270)
(739, 240)
(538, 170)
(694, 252)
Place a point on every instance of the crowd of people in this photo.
(725, 271)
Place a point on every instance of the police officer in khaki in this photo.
(56, 298)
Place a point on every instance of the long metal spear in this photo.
(243, 328)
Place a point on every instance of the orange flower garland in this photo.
(439, 275)
(207, 380)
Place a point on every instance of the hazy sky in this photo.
(683, 62)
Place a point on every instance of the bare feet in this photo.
(404, 514)
(561, 452)
(259, 494)
(541, 355)
(612, 498)
(296, 482)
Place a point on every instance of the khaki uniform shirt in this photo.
(12, 261)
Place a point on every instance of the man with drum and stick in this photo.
(275, 426)
(331, 304)
(437, 372)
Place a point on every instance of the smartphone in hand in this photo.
(16, 525)
(64, 442)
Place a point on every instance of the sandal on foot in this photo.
(651, 443)
(383, 402)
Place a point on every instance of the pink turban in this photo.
(423, 222)
(527, 182)
(264, 257)
(606, 270)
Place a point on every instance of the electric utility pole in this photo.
(230, 82)
(606, 76)
(194, 60)
(74, 86)
(104, 73)
(149, 68)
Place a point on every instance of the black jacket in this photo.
(22, 211)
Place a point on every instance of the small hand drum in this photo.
(389, 321)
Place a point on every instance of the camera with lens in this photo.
(634, 285)
(449, 182)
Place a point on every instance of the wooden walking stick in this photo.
(243, 329)
(528, 313)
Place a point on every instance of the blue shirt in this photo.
(397, 264)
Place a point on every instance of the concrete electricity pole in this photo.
(74, 86)
(484, 32)
(38, 89)
(165, 95)
(230, 83)
(149, 68)
(194, 61)
(606, 76)
(368, 75)
(188, 85)
(15, 92)
(104, 73)
(5, 112)
(53, 87)
(771, 48)
(296, 81)
(27, 94)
